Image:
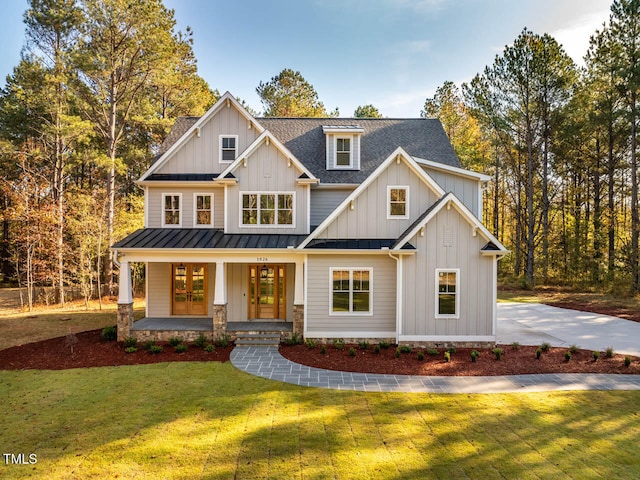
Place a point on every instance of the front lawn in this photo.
(207, 420)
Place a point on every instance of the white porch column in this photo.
(298, 297)
(125, 295)
(220, 293)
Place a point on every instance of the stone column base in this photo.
(125, 320)
(298, 320)
(219, 321)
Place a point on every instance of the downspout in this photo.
(399, 292)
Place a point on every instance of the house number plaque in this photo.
(262, 259)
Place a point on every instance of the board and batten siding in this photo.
(319, 321)
(159, 284)
(466, 189)
(268, 170)
(368, 219)
(156, 207)
(476, 279)
(202, 154)
(325, 201)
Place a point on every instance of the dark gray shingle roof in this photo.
(356, 244)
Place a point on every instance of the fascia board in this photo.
(453, 170)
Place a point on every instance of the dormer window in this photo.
(343, 152)
(228, 148)
(343, 146)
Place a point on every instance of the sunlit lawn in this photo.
(208, 420)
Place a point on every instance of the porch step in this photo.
(255, 339)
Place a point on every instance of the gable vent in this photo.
(448, 237)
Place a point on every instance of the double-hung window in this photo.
(350, 291)
(447, 293)
(228, 148)
(397, 202)
(343, 152)
(171, 216)
(203, 209)
(267, 209)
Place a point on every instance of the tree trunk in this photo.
(635, 219)
(597, 220)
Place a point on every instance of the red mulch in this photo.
(514, 362)
(90, 351)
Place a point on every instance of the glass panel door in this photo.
(266, 291)
(189, 289)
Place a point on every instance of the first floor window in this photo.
(350, 290)
(171, 209)
(204, 213)
(447, 293)
(267, 209)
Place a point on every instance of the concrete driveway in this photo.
(534, 323)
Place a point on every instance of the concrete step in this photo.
(258, 338)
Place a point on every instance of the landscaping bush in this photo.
(432, 351)
(538, 353)
(384, 345)
(180, 348)
(451, 350)
(447, 356)
(515, 345)
(201, 341)
(352, 352)
(130, 342)
(498, 352)
(363, 345)
(175, 341)
(148, 344)
(545, 346)
(574, 349)
(405, 349)
(154, 349)
(376, 349)
(131, 349)
(567, 355)
(338, 343)
(398, 352)
(627, 360)
(311, 343)
(109, 334)
(420, 355)
(323, 350)
(609, 352)
(224, 340)
(210, 348)
(596, 355)
(474, 355)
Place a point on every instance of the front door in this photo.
(189, 288)
(267, 291)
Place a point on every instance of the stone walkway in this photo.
(267, 362)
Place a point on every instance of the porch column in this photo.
(298, 298)
(220, 301)
(125, 302)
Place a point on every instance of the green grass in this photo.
(207, 420)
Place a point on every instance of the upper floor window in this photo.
(228, 148)
(203, 209)
(350, 291)
(267, 209)
(397, 202)
(172, 209)
(447, 293)
(343, 152)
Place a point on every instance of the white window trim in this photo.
(267, 225)
(220, 148)
(195, 210)
(163, 212)
(335, 152)
(406, 209)
(437, 284)
(351, 313)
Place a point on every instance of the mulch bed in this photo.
(514, 362)
(90, 351)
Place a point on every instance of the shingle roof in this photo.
(193, 177)
(356, 244)
(420, 137)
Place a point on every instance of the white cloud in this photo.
(575, 37)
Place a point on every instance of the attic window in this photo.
(228, 148)
(343, 146)
(343, 152)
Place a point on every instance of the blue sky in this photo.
(391, 53)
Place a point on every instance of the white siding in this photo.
(156, 208)
(318, 318)
(201, 154)
(466, 189)
(323, 202)
(476, 280)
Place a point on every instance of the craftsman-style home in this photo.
(322, 227)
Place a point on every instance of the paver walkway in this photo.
(267, 362)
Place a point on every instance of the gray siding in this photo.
(476, 280)
(318, 318)
(331, 151)
(201, 154)
(237, 286)
(323, 202)
(268, 170)
(368, 219)
(466, 189)
(156, 208)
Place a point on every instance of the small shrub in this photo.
(338, 344)
(148, 344)
(474, 355)
(201, 341)
(405, 349)
(363, 345)
(131, 349)
(311, 343)
(447, 356)
(609, 352)
(538, 353)
(376, 349)
(451, 350)
(515, 345)
(567, 355)
(384, 345)
(175, 341)
(498, 352)
(420, 355)
(627, 360)
(596, 355)
(323, 350)
(130, 342)
(352, 352)
(154, 349)
(180, 348)
(109, 334)
(432, 351)
(210, 348)
(574, 349)
(224, 340)
(545, 346)
(398, 352)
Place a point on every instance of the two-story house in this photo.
(336, 228)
